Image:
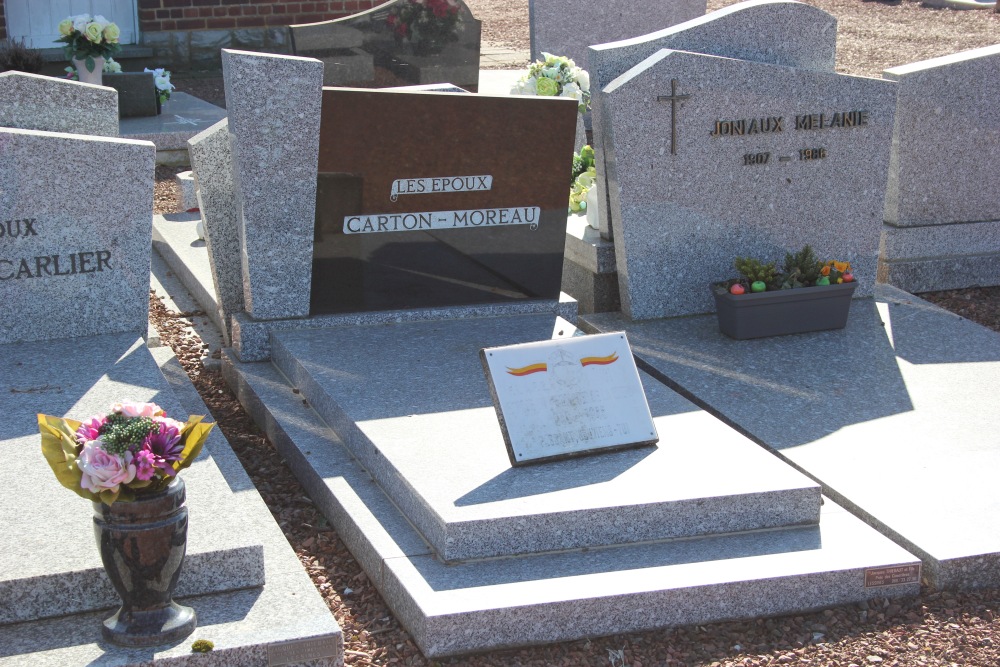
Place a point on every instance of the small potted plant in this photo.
(805, 295)
(125, 461)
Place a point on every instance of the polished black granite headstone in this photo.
(402, 42)
(136, 93)
(420, 203)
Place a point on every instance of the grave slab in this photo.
(515, 601)
(895, 416)
(779, 32)
(36, 102)
(396, 43)
(212, 161)
(568, 27)
(441, 457)
(175, 238)
(712, 158)
(182, 117)
(250, 621)
(136, 93)
(274, 105)
(942, 221)
(74, 259)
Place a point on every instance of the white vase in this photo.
(96, 77)
(593, 215)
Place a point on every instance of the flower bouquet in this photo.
(428, 24)
(806, 295)
(555, 76)
(131, 451)
(161, 78)
(583, 177)
(88, 37)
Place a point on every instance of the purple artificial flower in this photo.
(90, 429)
(165, 446)
(145, 465)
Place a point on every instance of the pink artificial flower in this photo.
(130, 409)
(145, 465)
(90, 429)
(103, 471)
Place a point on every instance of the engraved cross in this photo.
(673, 98)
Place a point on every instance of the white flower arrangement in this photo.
(111, 66)
(555, 76)
(161, 77)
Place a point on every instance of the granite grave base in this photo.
(252, 597)
(894, 415)
(471, 554)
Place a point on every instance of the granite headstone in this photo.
(273, 104)
(397, 43)
(712, 158)
(418, 205)
(212, 159)
(779, 32)
(74, 252)
(568, 27)
(942, 211)
(137, 94)
(35, 102)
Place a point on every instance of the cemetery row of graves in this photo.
(527, 426)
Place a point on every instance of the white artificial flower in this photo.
(583, 80)
(525, 86)
(572, 90)
(163, 83)
(80, 22)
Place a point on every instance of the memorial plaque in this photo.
(136, 93)
(397, 43)
(561, 398)
(418, 204)
(892, 576)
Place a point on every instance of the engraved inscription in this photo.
(892, 576)
(441, 184)
(412, 222)
(302, 650)
(756, 158)
(43, 266)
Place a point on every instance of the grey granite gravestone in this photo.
(136, 93)
(35, 102)
(274, 112)
(568, 27)
(712, 158)
(942, 212)
(74, 251)
(212, 159)
(779, 32)
(396, 43)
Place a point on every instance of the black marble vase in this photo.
(142, 546)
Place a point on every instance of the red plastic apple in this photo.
(848, 277)
(737, 289)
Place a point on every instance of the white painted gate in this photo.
(37, 21)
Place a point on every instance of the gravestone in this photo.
(136, 93)
(568, 27)
(446, 216)
(274, 108)
(942, 212)
(711, 158)
(212, 159)
(779, 32)
(35, 102)
(74, 254)
(397, 43)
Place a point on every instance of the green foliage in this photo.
(801, 269)
(202, 646)
(582, 161)
(14, 55)
(754, 270)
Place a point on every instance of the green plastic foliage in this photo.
(60, 450)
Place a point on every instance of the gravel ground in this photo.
(935, 629)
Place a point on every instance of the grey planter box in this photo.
(783, 311)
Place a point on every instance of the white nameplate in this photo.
(439, 184)
(566, 397)
(374, 223)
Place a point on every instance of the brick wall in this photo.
(158, 15)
